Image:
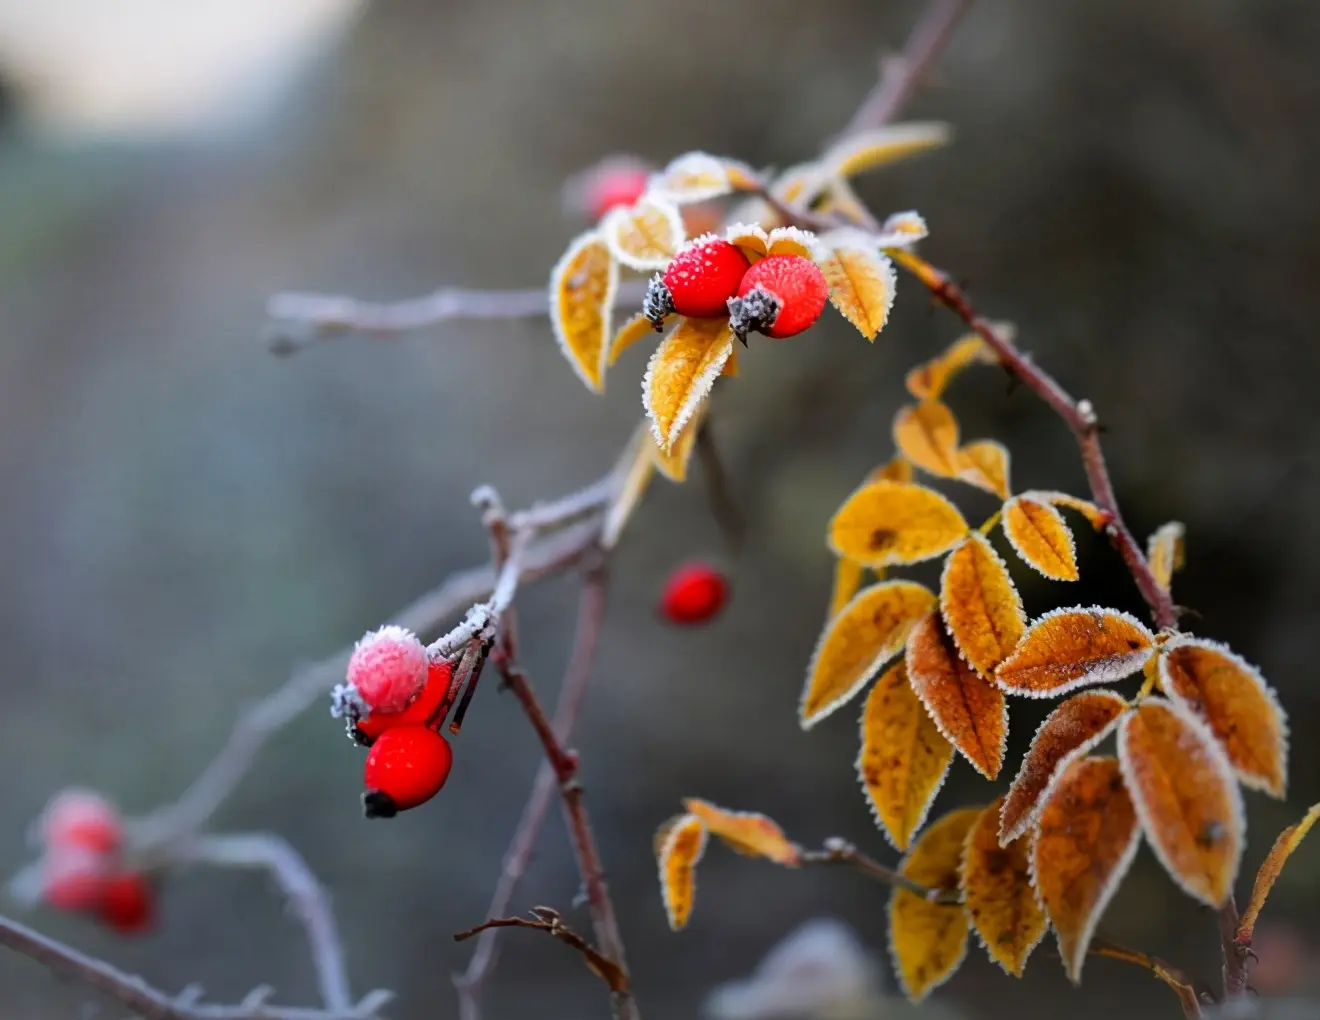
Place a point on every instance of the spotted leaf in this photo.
(895, 522)
(998, 894)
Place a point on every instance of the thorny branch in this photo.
(547, 920)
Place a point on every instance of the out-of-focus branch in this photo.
(1182, 986)
(840, 851)
(547, 920)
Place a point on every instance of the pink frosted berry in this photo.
(74, 878)
(614, 181)
(83, 820)
(386, 671)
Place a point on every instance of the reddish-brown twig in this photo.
(1180, 983)
(548, 920)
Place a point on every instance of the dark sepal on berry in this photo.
(657, 303)
(754, 312)
(377, 804)
(358, 736)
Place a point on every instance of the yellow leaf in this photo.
(629, 333)
(984, 464)
(1186, 797)
(981, 607)
(1087, 837)
(582, 288)
(747, 832)
(927, 435)
(896, 470)
(692, 177)
(731, 366)
(681, 373)
(901, 230)
(867, 150)
(839, 201)
(904, 757)
(929, 940)
(998, 894)
(1099, 518)
(634, 471)
(646, 235)
(1270, 869)
(749, 238)
(793, 241)
(1166, 552)
(867, 632)
(928, 381)
(1069, 648)
(895, 522)
(1040, 536)
(847, 579)
(862, 281)
(683, 843)
(673, 463)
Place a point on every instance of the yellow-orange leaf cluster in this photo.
(981, 607)
(895, 522)
(1069, 648)
(681, 372)
(679, 844)
(1039, 534)
(582, 287)
(997, 891)
(748, 833)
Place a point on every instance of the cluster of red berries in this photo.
(780, 295)
(694, 594)
(82, 866)
(393, 700)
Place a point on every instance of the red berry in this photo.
(614, 181)
(82, 819)
(780, 296)
(694, 593)
(387, 669)
(74, 878)
(698, 281)
(407, 766)
(129, 904)
(426, 704)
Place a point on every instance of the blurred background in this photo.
(186, 518)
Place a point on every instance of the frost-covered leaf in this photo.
(868, 632)
(1086, 839)
(730, 369)
(1186, 796)
(794, 241)
(904, 757)
(895, 522)
(928, 381)
(681, 372)
(1231, 697)
(927, 435)
(680, 843)
(746, 832)
(635, 470)
(646, 235)
(693, 177)
(1069, 648)
(635, 329)
(928, 941)
(981, 607)
(673, 463)
(750, 238)
(1069, 732)
(862, 281)
(1288, 841)
(582, 288)
(902, 230)
(1166, 552)
(1039, 534)
(998, 894)
(1097, 517)
(847, 580)
(984, 463)
(868, 150)
(970, 711)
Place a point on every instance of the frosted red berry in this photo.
(74, 878)
(128, 904)
(695, 593)
(385, 672)
(81, 819)
(406, 766)
(780, 296)
(439, 673)
(613, 182)
(698, 281)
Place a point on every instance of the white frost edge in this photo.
(973, 538)
(705, 163)
(574, 248)
(701, 386)
(609, 229)
(883, 266)
(1114, 671)
(971, 919)
(796, 235)
(663, 856)
(736, 231)
(894, 236)
(1027, 497)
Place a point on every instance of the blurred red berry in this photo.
(694, 593)
(81, 819)
(780, 296)
(74, 878)
(129, 903)
(407, 766)
(385, 672)
(438, 675)
(698, 281)
(614, 181)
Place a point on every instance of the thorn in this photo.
(256, 998)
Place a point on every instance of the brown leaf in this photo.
(927, 435)
(869, 631)
(1069, 648)
(1084, 845)
(929, 380)
(748, 833)
(1166, 552)
(1186, 796)
(635, 329)
(968, 710)
(1270, 869)
(981, 607)
(673, 463)
(929, 940)
(847, 580)
(1040, 536)
(984, 464)
(998, 894)
(646, 235)
(683, 844)
(1069, 732)
(582, 288)
(904, 757)
(895, 522)
(862, 281)
(1231, 696)
(681, 372)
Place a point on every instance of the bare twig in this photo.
(840, 851)
(547, 920)
(1180, 983)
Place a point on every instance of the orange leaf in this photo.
(927, 435)
(747, 832)
(928, 381)
(1270, 870)
(981, 608)
(629, 333)
(862, 281)
(681, 372)
(582, 288)
(896, 470)
(692, 177)
(1230, 695)
(1070, 731)
(929, 940)
(730, 368)
(673, 463)
(866, 150)
(904, 757)
(1084, 845)
(895, 522)
(646, 235)
(1098, 518)
(681, 841)
(869, 631)
(1069, 648)
(1186, 796)
(847, 579)
(969, 711)
(1166, 552)
(1039, 535)
(635, 469)
(984, 464)
(997, 891)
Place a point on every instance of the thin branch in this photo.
(840, 851)
(1180, 983)
(547, 920)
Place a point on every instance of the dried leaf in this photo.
(902, 230)
(692, 177)
(998, 894)
(683, 843)
(1084, 845)
(847, 579)
(981, 607)
(681, 372)
(895, 522)
(1098, 518)
(927, 435)
(582, 288)
(1069, 732)
(1166, 552)
(904, 757)
(968, 710)
(793, 241)
(929, 381)
(869, 631)
(1270, 869)
(1186, 796)
(929, 940)
(635, 470)
(646, 235)
(1040, 536)
(1069, 648)
(862, 281)
(673, 463)
(1230, 695)
(984, 464)
(746, 832)
(896, 470)
(867, 150)
(636, 328)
